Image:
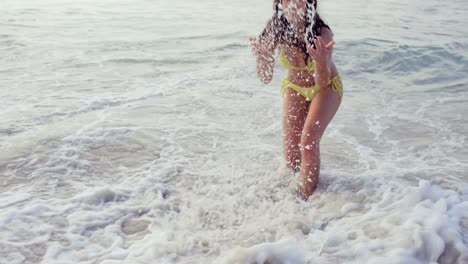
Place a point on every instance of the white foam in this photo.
(281, 252)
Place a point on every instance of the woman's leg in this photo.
(321, 111)
(295, 108)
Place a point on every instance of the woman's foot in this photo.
(308, 186)
(295, 185)
(302, 188)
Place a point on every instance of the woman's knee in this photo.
(292, 157)
(310, 141)
(292, 134)
(291, 145)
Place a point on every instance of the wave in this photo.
(396, 59)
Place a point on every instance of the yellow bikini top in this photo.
(285, 63)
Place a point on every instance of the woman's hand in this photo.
(323, 52)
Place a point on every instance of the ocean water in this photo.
(138, 132)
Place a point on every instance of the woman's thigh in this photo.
(322, 109)
(295, 108)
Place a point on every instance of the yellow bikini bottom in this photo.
(310, 92)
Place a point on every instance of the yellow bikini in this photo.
(307, 92)
(285, 63)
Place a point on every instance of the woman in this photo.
(312, 90)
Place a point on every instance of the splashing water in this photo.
(311, 13)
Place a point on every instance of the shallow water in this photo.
(137, 132)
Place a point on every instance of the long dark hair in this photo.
(278, 30)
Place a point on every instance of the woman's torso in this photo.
(297, 58)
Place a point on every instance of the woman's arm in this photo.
(265, 63)
(323, 57)
(264, 50)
